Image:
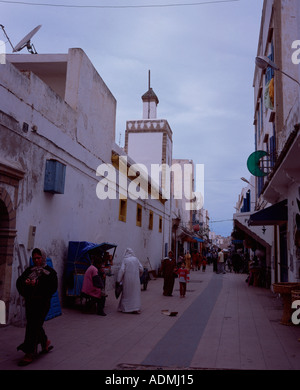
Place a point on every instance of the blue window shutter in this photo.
(166, 249)
(272, 150)
(260, 185)
(269, 71)
(55, 174)
(249, 200)
(261, 115)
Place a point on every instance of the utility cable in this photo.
(118, 6)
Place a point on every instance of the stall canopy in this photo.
(276, 214)
(79, 254)
(198, 239)
(79, 259)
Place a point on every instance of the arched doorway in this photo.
(7, 238)
(4, 226)
(10, 175)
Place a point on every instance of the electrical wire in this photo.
(223, 220)
(118, 6)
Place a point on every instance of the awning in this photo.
(198, 239)
(276, 214)
(251, 234)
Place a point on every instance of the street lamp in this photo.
(247, 181)
(263, 62)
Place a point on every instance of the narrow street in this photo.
(222, 324)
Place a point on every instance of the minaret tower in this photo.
(150, 102)
(149, 140)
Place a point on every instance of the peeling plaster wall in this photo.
(78, 132)
(289, 33)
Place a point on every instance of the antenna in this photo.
(26, 41)
(6, 36)
(149, 90)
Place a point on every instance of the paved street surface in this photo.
(222, 324)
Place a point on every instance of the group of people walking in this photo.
(38, 283)
(194, 261)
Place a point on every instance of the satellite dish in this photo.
(26, 42)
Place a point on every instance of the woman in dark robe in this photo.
(169, 274)
(37, 284)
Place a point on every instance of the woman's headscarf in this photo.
(43, 254)
(129, 253)
(37, 271)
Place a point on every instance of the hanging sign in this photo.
(253, 163)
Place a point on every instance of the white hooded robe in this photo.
(129, 275)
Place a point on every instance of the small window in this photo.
(150, 220)
(160, 225)
(123, 210)
(139, 215)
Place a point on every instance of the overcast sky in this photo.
(201, 59)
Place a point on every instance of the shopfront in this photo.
(254, 244)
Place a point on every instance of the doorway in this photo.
(4, 227)
(7, 239)
(284, 275)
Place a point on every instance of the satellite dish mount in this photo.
(31, 48)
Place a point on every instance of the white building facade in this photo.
(57, 116)
(276, 123)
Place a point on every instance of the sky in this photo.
(201, 58)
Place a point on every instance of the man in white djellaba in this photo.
(129, 275)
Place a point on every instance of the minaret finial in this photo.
(149, 79)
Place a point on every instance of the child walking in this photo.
(183, 278)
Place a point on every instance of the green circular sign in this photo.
(253, 163)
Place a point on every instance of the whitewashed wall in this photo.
(78, 132)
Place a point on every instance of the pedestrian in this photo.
(209, 258)
(129, 275)
(204, 263)
(168, 272)
(179, 260)
(215, 262)
(183, 278)
(188, 259)
(221, 262)
(37, 284)
(199, 260)
(236, 262)
(93, 285)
